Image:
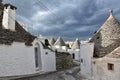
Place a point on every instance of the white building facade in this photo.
(21, 52)
(16, 59)
(46, 57)
(107, 68)
(75, 50)
(86, 56)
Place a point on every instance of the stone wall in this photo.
(64, 60)
(101, 71)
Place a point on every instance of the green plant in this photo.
(47, 42)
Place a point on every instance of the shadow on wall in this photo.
(97, 40)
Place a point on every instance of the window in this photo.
(98, 37)
(55, 50)
(110, 66)
(46, 53)
(81, 60)
(37, 53)
(94, 62)
(36, 56)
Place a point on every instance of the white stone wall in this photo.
(70, 43)
(101, 72)
(48, 61)
(76, 53)
(9, 18)
(16, 59)
(86, 55)
(60, 48)
(64, 48)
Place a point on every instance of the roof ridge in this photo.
(52, 41)
(76, 44)
(59, 42)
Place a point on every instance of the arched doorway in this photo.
(73, 55)
(38, 64)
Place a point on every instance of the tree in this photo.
(47, 42)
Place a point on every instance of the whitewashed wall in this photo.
(48, 61)
(60, 48)
(76, 53)
(16, 59)
(101, 72)
(86, 55)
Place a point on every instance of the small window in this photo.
(94, 62)
(110, 66)
(81, 60)
(98, 37)
(46, 53)
(2, 13)
(56, 51)
(36, 56)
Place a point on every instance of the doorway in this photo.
(73, 55)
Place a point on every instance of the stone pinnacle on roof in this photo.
(111, 11)
(59, 42)
(52, 41)
(76, 44)
(111, 15)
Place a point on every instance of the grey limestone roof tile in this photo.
(76, 44)
(52, 41)
(107, 38)
(19, 35)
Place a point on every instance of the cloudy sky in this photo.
(67, 18)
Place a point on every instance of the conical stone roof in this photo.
(59, 42)
(107, 38)
(76, 44)
(52, 41)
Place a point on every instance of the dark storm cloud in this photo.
(67, 18)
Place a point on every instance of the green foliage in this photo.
(65, 61)
(47, 42)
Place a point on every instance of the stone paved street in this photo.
(70, 74)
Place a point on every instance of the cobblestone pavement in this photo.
(70, 74)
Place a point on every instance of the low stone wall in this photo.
(64, 60)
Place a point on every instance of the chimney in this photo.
(9, 15)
